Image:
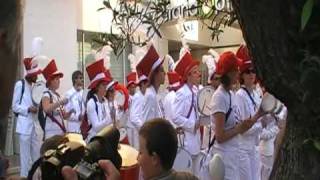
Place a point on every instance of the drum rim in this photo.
(198, 95)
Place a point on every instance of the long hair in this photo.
(225, 80)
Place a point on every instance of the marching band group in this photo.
(237, 128)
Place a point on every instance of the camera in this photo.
(84, 159)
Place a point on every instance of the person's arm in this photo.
(16, 106)
(181, 107)
(49, 107)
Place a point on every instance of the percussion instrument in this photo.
(121, 96)
(203, 100)
(183, 161)
(123, 136)
(37, 91)
(216, 167)
(270, 104)
(200, 161)
(129, 169)
(76, 137)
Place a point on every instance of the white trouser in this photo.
(230, 160)
(249, 164)
(133, 137)
(29, 151)
(266, 166)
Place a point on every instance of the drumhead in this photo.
(183, 161)
(268, 103)
(204, 99)
(37, 91)
(128, 154)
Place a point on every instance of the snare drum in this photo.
(123, 136)
(183, 161)
(129, 169)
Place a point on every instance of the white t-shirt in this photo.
(220, 102)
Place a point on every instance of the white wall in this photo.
(56, 22)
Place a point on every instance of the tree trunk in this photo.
(287, 61)
(10, 53)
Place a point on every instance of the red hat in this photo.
(243, 54)
(174, 79)
(111, 82)
(97, 73)
(227, 63)
(149, 62)
(51, 71)
(131, 78)
(185, 64)
(31, 66)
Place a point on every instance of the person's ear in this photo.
(155, 159)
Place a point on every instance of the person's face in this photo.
(132, 89)
(33, 78)
(143, 86)
(111, 93)
(234, 76)
(249, 77)
(78, 83)
(55, 83)
(160, 76)
(194, 75)
(101, 89)
(215, 81)
(148, 163)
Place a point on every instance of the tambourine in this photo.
(121, 96)
(270, 104)
(183, 161)
(37, 91)
(204, 99)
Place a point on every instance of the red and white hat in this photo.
(131, 78)
(111, 82)
(96, 72)
(174, 79)
(243, 55)
(51, 71)
(228, 62)
(31, 66)
(185, 64)
(148, 63)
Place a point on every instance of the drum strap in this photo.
(192, 104)
(22, 92)
(251, 98)
(53, 119)
(227, 117)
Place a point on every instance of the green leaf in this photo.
(101, 9)
(107, 4)
(306, 13)
(316, 144)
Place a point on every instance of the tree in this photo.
(286, 56)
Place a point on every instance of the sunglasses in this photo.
(249, 71)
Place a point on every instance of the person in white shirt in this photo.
(136, 111)
(186, 113)
(131, 83)
(226, 117)
(174, 84)
(53, 103)
(75, 104)
(25, 112)
(266, 146)
(151, 66)
(248, 102)
(97, 106)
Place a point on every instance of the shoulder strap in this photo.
(95, 102)
(22, 90)
(251, 98)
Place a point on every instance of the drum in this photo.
(183, 161)
(76, 137)
(200, 161)
(123, 136)
(204, 99)
(270, 104)
(216, 167)
(37, 92)
(129, 169)
(121, 96)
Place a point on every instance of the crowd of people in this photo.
(240, 131)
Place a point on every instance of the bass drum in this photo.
(37, 91)
(129, 169)
(183, 161)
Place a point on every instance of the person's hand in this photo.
(66, 115)
(32, 109)
(246, 124)
(110, 171)
(81, 117)
(260, 113)
(197, 126)
(64, 101)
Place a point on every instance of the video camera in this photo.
(84, 159)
